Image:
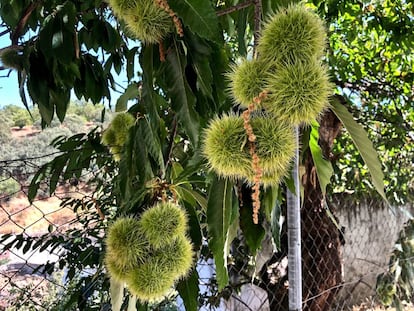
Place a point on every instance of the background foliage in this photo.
(371, 64)
(23, 139)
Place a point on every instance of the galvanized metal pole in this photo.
(294, 237)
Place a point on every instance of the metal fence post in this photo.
(294, 237)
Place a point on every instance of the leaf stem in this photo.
(167, 157)
(5, 32)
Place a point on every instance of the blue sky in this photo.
(9, 88)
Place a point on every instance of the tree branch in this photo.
(22, 22)
(8, 74)
(257, 23)
(379, 87)
(4, 32)
(235, 8)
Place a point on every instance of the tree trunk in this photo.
(322, 266)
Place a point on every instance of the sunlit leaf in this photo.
(364, 145)
(269, 201)
(219, 211)
(189, 291)
(200, 16)
(182, 99)
(324, 168)
(254, 233)
(130, 93)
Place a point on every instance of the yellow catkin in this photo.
(255, 158)
(163, 4)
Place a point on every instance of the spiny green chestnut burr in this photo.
(227, 149)
(293, 33)
(270, 178)
(177, 256)
(125, 246)
(247, 80)
(150, 281)
(116, 152)
(163, 223)
(275, 148)
(120, 6)
(116, 269)
(109, 137)
(120, 124)
(298, 92)
(116, 134)
(10, 58)
(385, 293)
(144, 19)
(224, 146)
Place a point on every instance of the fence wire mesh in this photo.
(340, 266)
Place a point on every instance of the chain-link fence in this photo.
(21, 282)
(346, 245)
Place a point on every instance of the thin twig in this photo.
(8, 74)
(20, 26)
(167, 157)
(257, 23)
(235, 8)
(241, 301)
(162, 50)
(369, 261)
(76, 45)
(4, 32)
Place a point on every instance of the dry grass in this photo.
(26, 131)
(29, 289)
(18, 215)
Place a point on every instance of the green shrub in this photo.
(5, 134)
(8, 186)
(89, 111)
(22, 118)
(16, 116)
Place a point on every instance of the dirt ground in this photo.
(24, 132)
(24, 287)
(18, 215)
